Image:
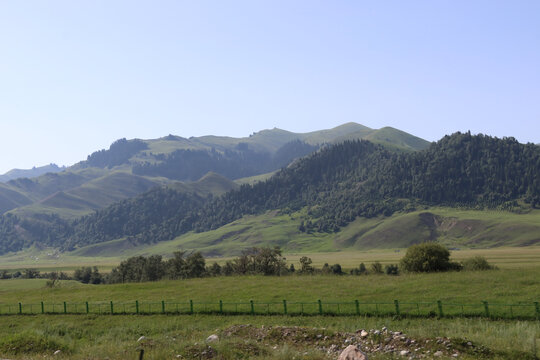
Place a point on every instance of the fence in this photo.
(351, 308)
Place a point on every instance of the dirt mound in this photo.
(372, 341)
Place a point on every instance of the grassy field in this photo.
(115, 337)
(93, 337)
(502, 286)
(48, 260)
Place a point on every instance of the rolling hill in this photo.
(29, 173)
(131, 167)
(453, 227)
(352, 194)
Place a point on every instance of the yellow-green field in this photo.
(503, 257)
(115, 337)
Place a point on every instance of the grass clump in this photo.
(29, 342)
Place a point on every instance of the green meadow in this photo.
(115, 337)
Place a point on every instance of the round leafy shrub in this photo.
(477, 263)
(427, 257)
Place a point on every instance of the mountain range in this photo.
(146, 193)
(131, 167)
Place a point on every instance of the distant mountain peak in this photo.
(30, 173)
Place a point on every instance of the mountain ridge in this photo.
(166, 159)
(329, 190)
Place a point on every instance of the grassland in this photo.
(93, 337)
(502, 286)
(457, 229)
(115, 337)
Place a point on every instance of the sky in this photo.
(77, 75)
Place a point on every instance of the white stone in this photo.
(212, 338)
(438, 353)
(404, 352)
(351, 352)
(141, 338)
(364, 333)
(57, 352)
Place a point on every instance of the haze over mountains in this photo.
(30, 173)
(130, 167)
(143, 192)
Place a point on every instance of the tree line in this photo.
(424, 257)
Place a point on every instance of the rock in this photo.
(141, 338)
(438, 353)
(469, 343)
(212, 338)
(404, 352)
(57, 352)
(364, 333)
(455, 355)
(377, 332)
(352, 352)
(333, 348)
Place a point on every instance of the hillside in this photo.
(30, 173)
(131, 167)
(332, 188)
(452, 227)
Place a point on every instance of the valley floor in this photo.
(273, 337)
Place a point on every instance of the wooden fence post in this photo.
(486, 308)
(137, 306)
(284, 306)
(221, 306)
(396, 303)
(191, 306)
(252, 307)
(320, 306)
(65, 308)
(357, 307)
(439, 305)
(112, 308)
(163, 306)
(42, 308)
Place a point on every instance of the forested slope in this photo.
(336, 184)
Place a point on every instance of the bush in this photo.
(391, 269)
(376, 268)
(427, 257)
(476, 263)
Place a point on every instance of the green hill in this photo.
(10, 198)
(131, 167)
(452, 227)
(355, 182)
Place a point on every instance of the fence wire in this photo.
(325, 308)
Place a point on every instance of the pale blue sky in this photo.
(77, 75)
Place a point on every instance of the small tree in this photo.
(214, 270)
(391, 269)
(427, 257)
(376, 268)
(336, 269)
(326, 269)
(305, 264)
